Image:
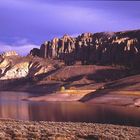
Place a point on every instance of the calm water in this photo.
(12, 106)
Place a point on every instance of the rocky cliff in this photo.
(12, 66)
(121, 48)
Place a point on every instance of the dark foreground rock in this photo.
(19, 130)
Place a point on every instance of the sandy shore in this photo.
(117, 98)
(19, 130)
(66, 95)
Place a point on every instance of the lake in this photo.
(12, 106)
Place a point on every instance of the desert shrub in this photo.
(62, 88)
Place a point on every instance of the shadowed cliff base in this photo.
(125, 91)
(68, 76)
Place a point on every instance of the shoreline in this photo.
(125, 98)
(13, 129)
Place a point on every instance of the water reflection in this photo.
(11, 106)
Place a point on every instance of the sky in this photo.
(25, 24)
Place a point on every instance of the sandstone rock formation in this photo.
(9, 53)
(14, 66)
(35, 52)
(17, 71)
(121, 48)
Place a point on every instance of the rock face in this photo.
(17, 71)
(35, 52)
(14, 66)
(9, 53)
(121, 48)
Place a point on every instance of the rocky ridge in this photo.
(105, 48)
(12, 66)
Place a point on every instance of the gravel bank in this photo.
(22, 130)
